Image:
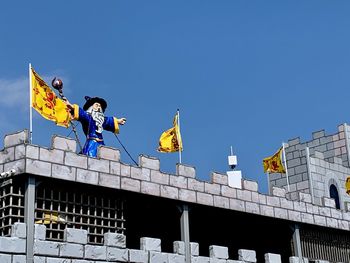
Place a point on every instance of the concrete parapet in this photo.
(277, 191)
(114, 240)
(71, 250)
(150, 244)
(118, 254)
(7, 155)
(63, 163)
(19, 230)
(304, 197)
(175, 258)
(20, 137)
(295, 141)
(272, 258)
(318, 134)
(6, 258)
(200, 259)
(12, 245)
(138, 256)
(250, 185)
(46, 248)
(149, 162)
(95, 252)
(157, 257)
(108, 153)
(185, 170)
(179, 248)
(73, 235)
(218, 178)
(12, 250)
(298, 260)
(64, 143)
(218, 252)
(194, 248)
(347, 206)
(39, 232)
(17, 259)
(328, 202)
(247, 255)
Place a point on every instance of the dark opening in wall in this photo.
(333, 193)
(155, 217)
(150, 216)
(236, 230)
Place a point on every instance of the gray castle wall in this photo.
(328, 162)
(75, 249)
(107, 170)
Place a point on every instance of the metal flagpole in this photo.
(268, 183)
(178, 124)
(285, 165)
(30, 105)
(310, 174)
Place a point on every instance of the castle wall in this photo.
(75, 249)
(107, 171)
(61, 162)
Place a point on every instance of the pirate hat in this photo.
(90, 101)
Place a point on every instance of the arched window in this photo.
(333, 193)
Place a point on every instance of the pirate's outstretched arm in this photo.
(112, 124)
(76, 112)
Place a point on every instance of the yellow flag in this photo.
(273, 164)
(45, 101)
(49, 218)
(347, 185)
(170, 140)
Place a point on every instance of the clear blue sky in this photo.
(250, 74)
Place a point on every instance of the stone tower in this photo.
(319, 166)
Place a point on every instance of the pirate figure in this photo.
(93, 121)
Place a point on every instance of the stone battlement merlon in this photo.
(62, 162)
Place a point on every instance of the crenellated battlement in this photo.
(62, 162)
(331, 145)
(75, 248)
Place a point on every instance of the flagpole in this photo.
(285, 165)
(268, 183)
(30, 105)
(178, 124)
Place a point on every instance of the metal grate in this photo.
(95, 209)
(325, 244)
(11, 204)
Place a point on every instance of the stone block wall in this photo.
(328, 163)
(324, 173)
(62, 162)
(75, 249)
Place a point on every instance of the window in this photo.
(333, 193)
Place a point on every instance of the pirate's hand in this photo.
(69, 105)
(121, 121)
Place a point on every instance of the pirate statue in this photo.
(93, 121)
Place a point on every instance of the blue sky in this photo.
(250, 74)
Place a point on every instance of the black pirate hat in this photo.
(90, 101)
